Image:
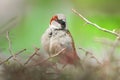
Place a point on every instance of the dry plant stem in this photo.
(43, 61)
(52, 56)
(92, 56)
(12, 56)
(95, 25)
(36, 51)
(10, 44)
(55, 54)
(10, 47)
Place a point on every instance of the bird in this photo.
(56, 38)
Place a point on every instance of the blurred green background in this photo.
(32, 19)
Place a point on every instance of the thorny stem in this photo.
(95, 25)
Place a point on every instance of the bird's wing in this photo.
(72, 42)
(45, 40)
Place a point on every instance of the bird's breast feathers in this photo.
(55, 40)
(59, 40)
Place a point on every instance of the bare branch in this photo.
(10, 47)
(52, 56)
(12, 56)
(36, 50)
(95, 25)
(9, 44)
(58, 53)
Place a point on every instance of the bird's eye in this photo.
(63, 24)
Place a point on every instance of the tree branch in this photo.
(95, 25)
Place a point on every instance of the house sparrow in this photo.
(58, 37)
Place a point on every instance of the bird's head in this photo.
(58, 21)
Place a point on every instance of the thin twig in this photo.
(9, 44)
(92, 56)
(95, 25)
(58, 53)
(12, 56)
(51, 56)
(36, 51)
(10, 47)
(55, 54)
